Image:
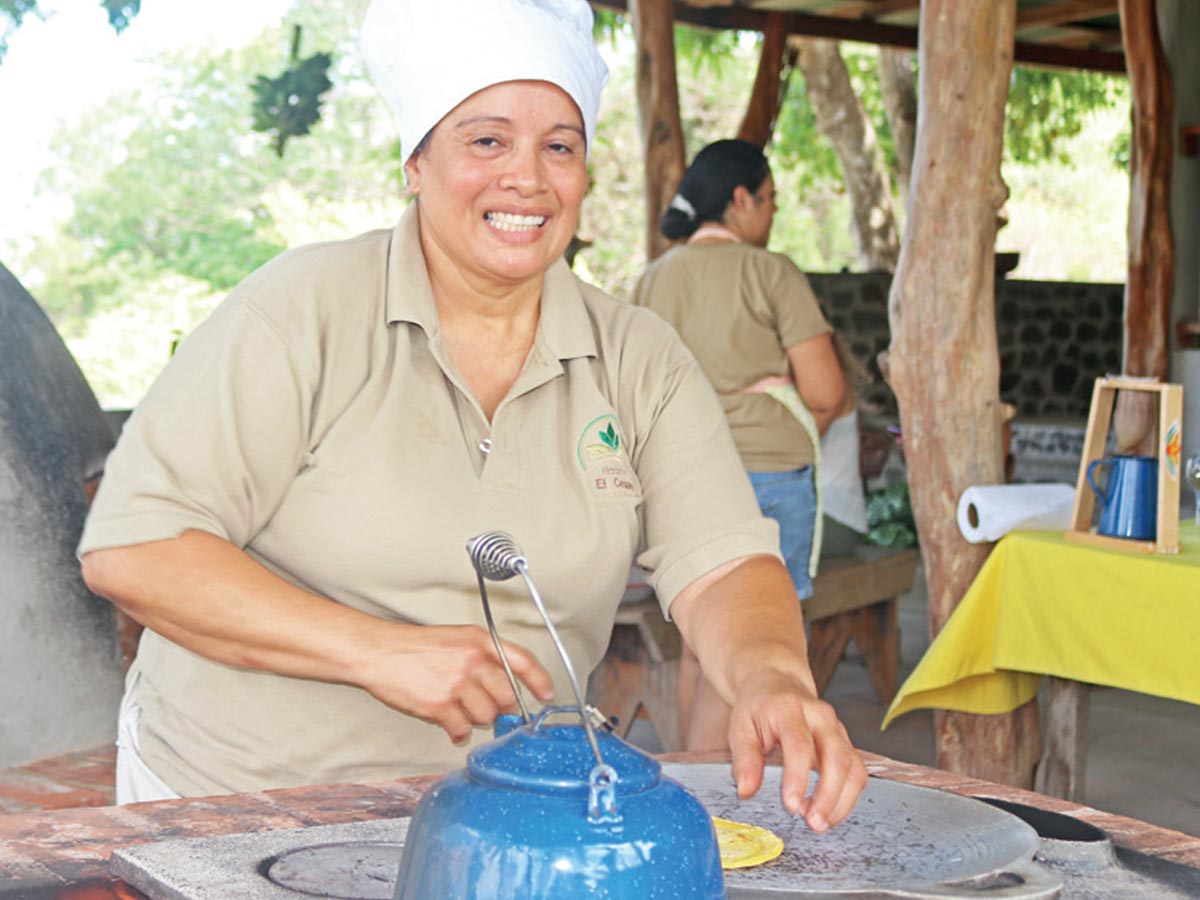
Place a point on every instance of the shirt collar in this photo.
(563, 326)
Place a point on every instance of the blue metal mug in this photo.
(1129, 502)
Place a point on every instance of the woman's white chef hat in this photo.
(427, 56)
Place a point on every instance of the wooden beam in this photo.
(1064, 11)
(775, 62)
(658, 112)
(1078, 38)
(742, 18)
(1068, 58)
(872, 9)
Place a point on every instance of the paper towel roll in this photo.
(988, 512)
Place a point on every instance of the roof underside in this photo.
(1077, 34)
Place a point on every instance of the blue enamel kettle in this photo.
(552, 811)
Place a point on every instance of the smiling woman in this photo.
(498, 183)
(286, 509)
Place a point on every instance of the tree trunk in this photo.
(1151, 248)
(775, 63)
(943, 363)
(898, 82)
(843, 121)
(658, 112)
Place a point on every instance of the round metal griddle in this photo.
(900, 841)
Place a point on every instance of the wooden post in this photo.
(658, 112)
(770, 82)
(943, 362)
(1151, 248)
(1062, 771)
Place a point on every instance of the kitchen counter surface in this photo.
(63, 855)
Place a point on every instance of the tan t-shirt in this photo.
(316, 420)
(738, 308)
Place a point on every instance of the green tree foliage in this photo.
(169, 180)
(1047, 107)
(121, 12)
(798, 141)
(13, 13)
(174, 197)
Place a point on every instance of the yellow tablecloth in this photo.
(1042, 605)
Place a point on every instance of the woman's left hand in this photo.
(744, 623)
(774, 710)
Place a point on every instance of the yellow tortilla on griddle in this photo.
(743, 845)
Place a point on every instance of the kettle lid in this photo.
(558, 759)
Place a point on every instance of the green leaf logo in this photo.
(610, 438)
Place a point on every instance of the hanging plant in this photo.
(289, 106)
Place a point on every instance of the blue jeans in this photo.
(790, 498)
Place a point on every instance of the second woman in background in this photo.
(756, 329)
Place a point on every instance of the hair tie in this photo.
(680, 203)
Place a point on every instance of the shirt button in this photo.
(485, 446)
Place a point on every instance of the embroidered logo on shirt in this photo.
(607, 470)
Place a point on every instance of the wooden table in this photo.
(857, 598)
(63, 855)
(1084, 615)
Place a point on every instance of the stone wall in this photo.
(1055, 339)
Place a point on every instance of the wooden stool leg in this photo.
(661, 687)
(827, 641)
(877, 634)
(615, 689)
(637, 679)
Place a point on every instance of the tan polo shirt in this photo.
(738, 308)
(315, 419)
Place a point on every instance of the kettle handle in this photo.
(496, 557)
(1091, 477)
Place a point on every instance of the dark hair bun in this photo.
(675, 224)
(709, 182)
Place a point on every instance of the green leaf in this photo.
(121, 12)
(610, 438)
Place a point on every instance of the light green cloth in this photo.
(790, 398)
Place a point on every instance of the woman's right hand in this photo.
(450, 676)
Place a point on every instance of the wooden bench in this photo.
(854, 598)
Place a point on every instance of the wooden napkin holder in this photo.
(1169, 446)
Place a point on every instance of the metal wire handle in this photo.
(496, 557)
(492, 554)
